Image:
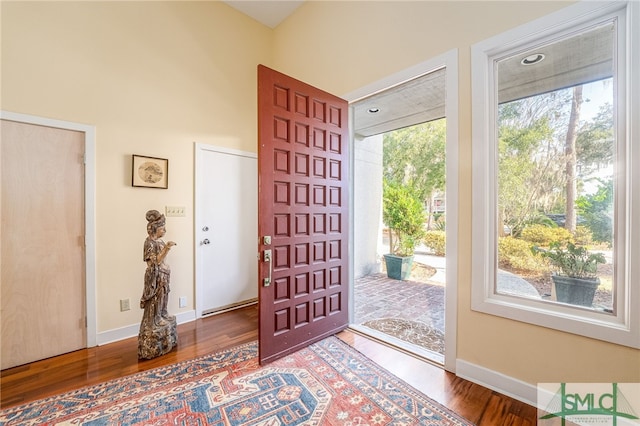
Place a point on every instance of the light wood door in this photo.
(303, 208)
(42, 242)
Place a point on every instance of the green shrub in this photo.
(435, 240)
(516, 254)
(571, 260)
(544, 235)
(583, 236)
(439, 223)
(404, 214)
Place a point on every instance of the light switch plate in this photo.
(174, 211)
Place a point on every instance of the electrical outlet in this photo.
(183, 302)
(175, 211)
(125, 305)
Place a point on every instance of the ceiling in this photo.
(268, 12)
(581, 58)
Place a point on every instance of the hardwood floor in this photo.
(98, 364)
(475, 403)
(63, 373)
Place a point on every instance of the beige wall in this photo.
(367, 41)
(156, 77)
(153, 78)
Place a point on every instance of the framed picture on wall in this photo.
(149, 172)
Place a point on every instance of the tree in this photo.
(571, 158)
(545, 153)
(529, 172)
(595, 142)
(597, 210)
(415, 156)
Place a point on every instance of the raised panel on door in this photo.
(42, 262)
(303, 205)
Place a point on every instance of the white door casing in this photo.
(82, 223)
(226, 233)
(449, 61)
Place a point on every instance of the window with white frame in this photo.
(556, 188)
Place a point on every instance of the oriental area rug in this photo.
(327, 383)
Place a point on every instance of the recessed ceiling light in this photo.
(373, 110)
(532, 59)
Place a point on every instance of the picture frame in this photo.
(149, 172)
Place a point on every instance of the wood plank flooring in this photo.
(63, 373)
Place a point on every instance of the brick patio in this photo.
(377, 297)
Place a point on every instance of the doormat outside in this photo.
(414, 332)
(327, 383)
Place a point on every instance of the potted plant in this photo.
(404, 216)
(575, 278)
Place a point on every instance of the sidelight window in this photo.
(556, 188)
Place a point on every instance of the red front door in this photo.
(303, 214)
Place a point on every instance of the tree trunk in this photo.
(570, 155)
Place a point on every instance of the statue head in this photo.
(155, 220)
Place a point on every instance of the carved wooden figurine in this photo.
(158, 332)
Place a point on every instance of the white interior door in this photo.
(226, 228)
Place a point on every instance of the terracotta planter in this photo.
(575, 291)
(398, 268)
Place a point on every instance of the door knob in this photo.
(205, 228)
(206, 241)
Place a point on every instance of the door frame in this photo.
(89, 208)
(449, 61)
(198, 219)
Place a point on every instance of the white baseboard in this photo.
(506, 385)
(132, 330)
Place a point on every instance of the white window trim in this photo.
(623, 327)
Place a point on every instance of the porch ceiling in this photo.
(581, 59)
